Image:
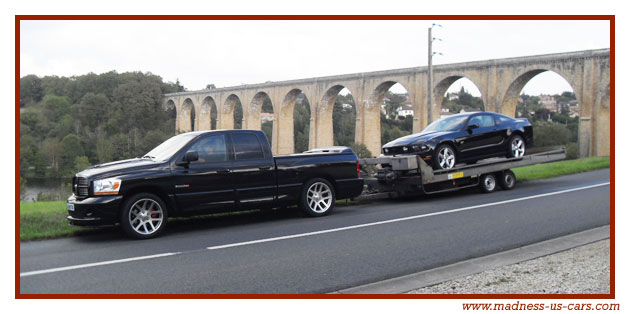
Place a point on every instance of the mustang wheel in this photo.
(144, 216)
(444, 157)
(487, 183)
(517, 147)
(318, 197)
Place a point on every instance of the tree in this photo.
(56, 106)
(80, 163)
(31, 90)
(301, 123)
(71, 148)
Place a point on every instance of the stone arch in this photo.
(286, 141)
(375, 101)
(510, 97)
(207, 114)
(228, 111)
(509, 102)
(255, 109)
(187, 116)
(444, 84)
(170, 109)
(326, 118)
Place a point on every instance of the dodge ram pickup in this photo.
(208, 172)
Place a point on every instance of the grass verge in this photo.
(44, 220)
(561, 168)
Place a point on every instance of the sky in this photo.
(228, 53)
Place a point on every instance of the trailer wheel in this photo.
(487, 183)
(318, 197)
(507, 180)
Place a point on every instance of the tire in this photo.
(487, 183)
(516, 147)
(318, 198)
(144, 216)
(444, 157)
(507, 180)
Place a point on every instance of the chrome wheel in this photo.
(489, 183)
(518, 147)
(319, 197)
(146, 216)
(446, 157)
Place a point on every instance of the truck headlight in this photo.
(107, 186)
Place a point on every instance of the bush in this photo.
(361, 150)
(572, 151)
(551, 134)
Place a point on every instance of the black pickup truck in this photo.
(208, 172)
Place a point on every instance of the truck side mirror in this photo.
(190, 155)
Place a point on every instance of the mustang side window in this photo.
(211, 149)
(483, 120)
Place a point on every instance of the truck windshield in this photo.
(446, 124)
(168, 148)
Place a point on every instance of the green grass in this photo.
(561, 168)
(44, 220)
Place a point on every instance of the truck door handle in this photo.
(224, 171)
(265, 168)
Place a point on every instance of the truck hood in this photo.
(115, 168)
(415, 138)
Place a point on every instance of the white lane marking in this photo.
(124, 260)
(300, 235)
(59, 269)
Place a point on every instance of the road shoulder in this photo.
(415, 282)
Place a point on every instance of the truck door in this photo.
(206, 185)
(253, 170)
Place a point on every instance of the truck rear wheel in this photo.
(144, 216)
(318, 197)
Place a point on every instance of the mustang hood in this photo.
(417, 137)
(117, 167)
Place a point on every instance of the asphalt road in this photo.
(281, 252)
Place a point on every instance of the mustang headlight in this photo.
(419, 148)
(107, 186)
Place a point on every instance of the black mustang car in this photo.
(466, 137)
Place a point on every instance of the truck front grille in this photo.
(80, 186)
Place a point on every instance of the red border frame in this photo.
(610, 18)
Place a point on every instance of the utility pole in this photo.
(429, 79)
(430, 74)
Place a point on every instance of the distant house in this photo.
(549, 103)
(265, 116)
(452, 96)
(406, 110)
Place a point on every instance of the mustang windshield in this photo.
(167, 149)
(446, 124)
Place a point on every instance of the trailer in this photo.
(401, 175)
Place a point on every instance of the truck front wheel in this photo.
(144, 216)
(318, 198)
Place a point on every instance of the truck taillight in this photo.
(358, 170)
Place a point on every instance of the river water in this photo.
(47, 189)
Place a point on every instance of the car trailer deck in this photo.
(408, 174)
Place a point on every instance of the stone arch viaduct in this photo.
(500, 82)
